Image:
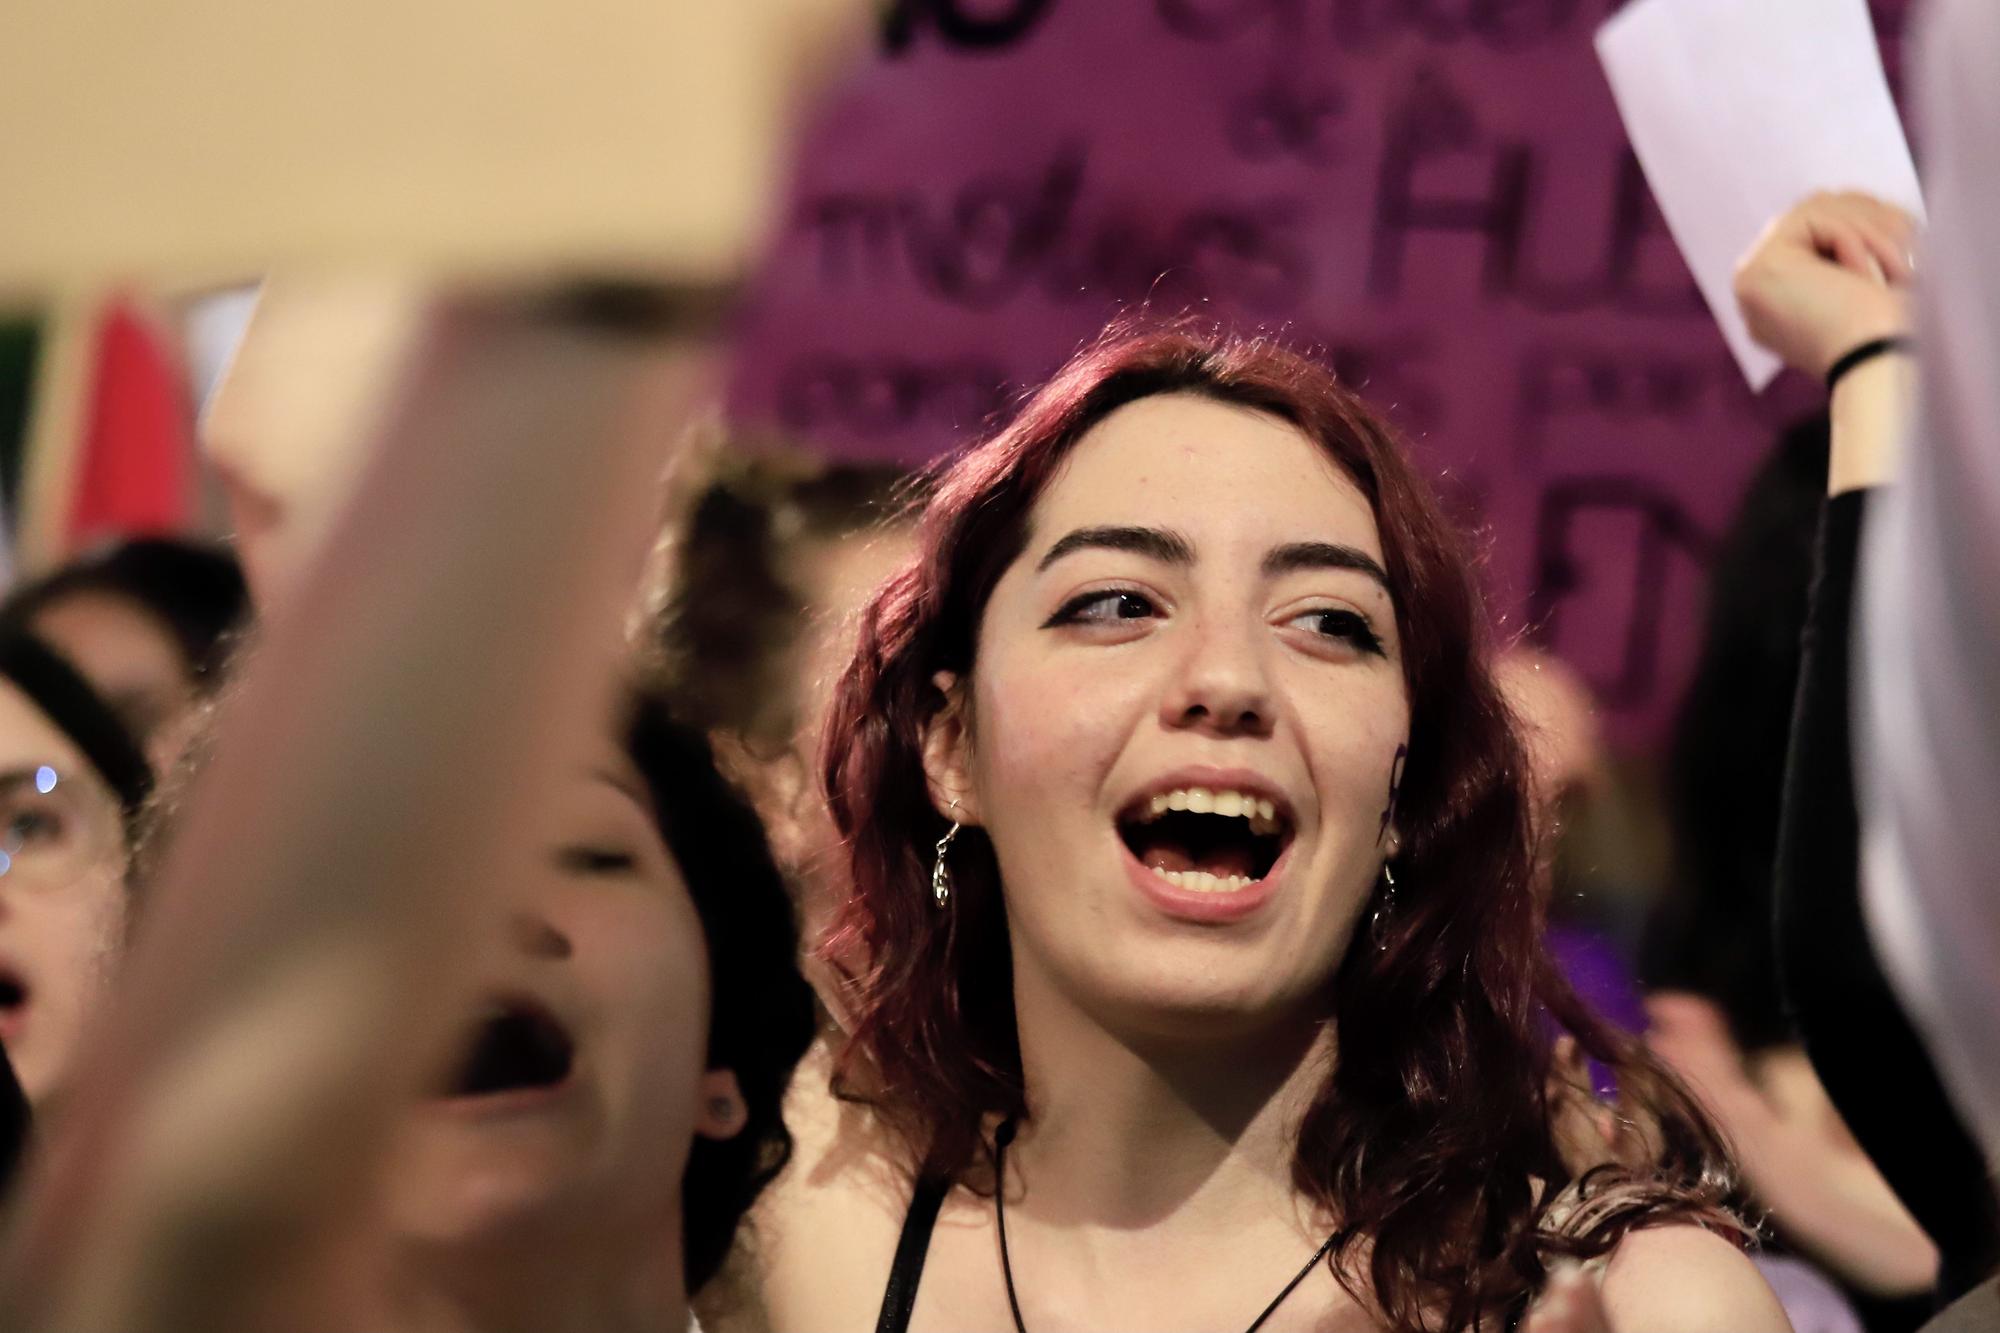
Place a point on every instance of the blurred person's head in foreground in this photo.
(148, 621)
(644, 1013)
(615, 1098)
(778, 555)
(71, 780)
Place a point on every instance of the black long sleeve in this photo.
(1871, 1061)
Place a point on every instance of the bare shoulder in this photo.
(815, 1251)
(1684, 1279)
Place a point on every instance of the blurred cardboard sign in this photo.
(200, 140)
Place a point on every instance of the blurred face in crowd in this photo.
(62, 894)
(835, 579)
(1558, 724)
(581, 1080)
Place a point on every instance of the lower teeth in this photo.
(1202, 882)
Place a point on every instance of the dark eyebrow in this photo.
(1156, 543)
(1323, 555)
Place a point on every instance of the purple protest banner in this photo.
(1437, 193)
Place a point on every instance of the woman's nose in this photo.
(1223, 687)
(534, 935)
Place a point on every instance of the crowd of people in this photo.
(1112, 879)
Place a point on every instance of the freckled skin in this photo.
(1229, 667)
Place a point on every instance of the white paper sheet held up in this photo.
(1740, 108)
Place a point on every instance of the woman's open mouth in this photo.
(1208, 841)
(518, 1047)
(13, 1004)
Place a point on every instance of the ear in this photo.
(721, 1112)
(1392, 842)
(948, 752)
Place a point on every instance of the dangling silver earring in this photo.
(1377, 931)
(940, 872)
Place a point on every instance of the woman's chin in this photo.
(1225, 1005)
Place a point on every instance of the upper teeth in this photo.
(1203, 882)
(1262, 814)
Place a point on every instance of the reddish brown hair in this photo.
(1432, 1139)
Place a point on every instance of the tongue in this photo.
(1222, 861)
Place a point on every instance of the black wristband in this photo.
(1867, 351)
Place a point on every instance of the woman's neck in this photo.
(1127, 1131)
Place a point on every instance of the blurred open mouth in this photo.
(13, 1004)
(518, 1048)
(1207, 842)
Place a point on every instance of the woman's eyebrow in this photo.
(1162, 544)
(1323, 555)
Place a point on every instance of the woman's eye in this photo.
(1334, 622)
(596, 861)
(29, 828)
(1104, 608)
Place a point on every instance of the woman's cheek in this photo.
(1053, 725)
(1357, 755)
(639, 952)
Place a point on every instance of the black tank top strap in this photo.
(907, 1271)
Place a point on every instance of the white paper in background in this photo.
(1738, 109)
(211, 329)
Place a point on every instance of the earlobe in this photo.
(720, 1112)
(947, 753)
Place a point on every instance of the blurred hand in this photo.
(1796, 1156)
(1691, 1035)
(1832, 273)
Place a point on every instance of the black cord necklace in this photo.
(1004, 1136)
